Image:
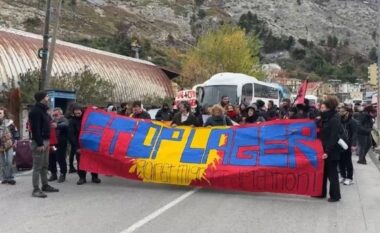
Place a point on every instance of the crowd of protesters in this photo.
(52, 131)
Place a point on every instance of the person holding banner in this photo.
(138, 111)
(74, 133)
(184, 117)
(164, 114)
(218, 118)
(330, 135)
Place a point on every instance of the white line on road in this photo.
(158, 212)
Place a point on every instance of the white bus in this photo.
(240, 88)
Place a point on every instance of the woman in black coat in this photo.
(330, 135)
(184, 117)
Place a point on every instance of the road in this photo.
(122, 206)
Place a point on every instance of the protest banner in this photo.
(189, 96)
(280, 156)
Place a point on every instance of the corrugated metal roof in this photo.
(133, 78)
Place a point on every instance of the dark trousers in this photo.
(81, 173)
(58, 156)
(331, 173)
(364, 142)
(345, 164)
(71, 156)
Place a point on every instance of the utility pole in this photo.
(378, 66)
(52, 45)
(43, 53)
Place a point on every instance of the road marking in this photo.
(158, 212)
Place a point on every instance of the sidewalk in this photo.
(367, 194)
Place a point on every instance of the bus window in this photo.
(247, 94)
(267, 92)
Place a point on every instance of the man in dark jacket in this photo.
(40, 127)
(58, 154)
(350, 130)
(138, 111)
(365, 125)
(164, 114)
(74, 134)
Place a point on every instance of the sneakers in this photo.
(10, 182)
(348, 182)
(62, 178)
(47, 188)
(81, 181)
(53, 177)
(96, 180)
(341, 180)
(38, 193)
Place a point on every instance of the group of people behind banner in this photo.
(52, 131)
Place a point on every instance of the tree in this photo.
(227, 49)
(89, 87)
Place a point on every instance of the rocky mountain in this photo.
(180, 20)
(314, 39)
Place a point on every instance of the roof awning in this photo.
(170, 72)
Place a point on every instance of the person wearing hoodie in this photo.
(330, 135)
(218, 118)
(164, 114)
(74, 134)
(261, 111)
(252, 116)
(365, 124)
(350, 129)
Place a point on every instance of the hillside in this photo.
(161, 25)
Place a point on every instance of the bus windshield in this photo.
(213, 94)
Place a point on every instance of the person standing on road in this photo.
(365, 125)
(40, 126)
(331, 125)
(350, 129)
(8, 135)
(59, 155)
(74, 134)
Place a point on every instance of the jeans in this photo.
(40, 164)
(6, 159)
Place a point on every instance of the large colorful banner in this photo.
(280, 156)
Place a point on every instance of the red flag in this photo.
(300, 99)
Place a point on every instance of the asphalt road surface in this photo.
(122, 206)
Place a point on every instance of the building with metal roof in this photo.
(133, 78)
